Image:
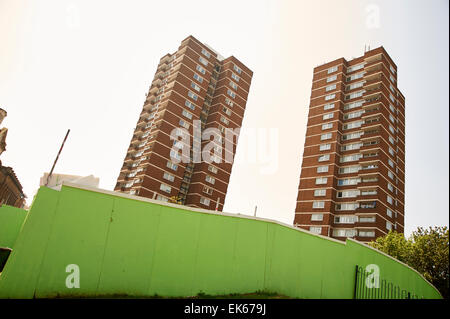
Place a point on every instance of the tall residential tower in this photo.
(352, 180)
(193, 85)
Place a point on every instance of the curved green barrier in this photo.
(114, 244)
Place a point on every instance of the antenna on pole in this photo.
(217, 203)
(256, 207)
(57, 156)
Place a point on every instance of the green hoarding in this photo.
(125, 245)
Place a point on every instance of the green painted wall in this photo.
(133, 247)
(11, 221)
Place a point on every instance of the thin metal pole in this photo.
(217, 203)
(254, 214)
(355, 294)
(57, 156)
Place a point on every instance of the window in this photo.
(370, 219)
(347, 206)
(353, 115)
(391, 107)
(332, 69)
(210, 179)
(353, 105)
(233, 85)
(355, 67)
(391, 129)
(348, 193)
(391, 163)
(317, 204)
(315, 229)
(184, 124)
(355, 76)
(234, 77)
(195, 87)
(224, 120)
(189, 105)
(231, 93)
(366, 233)
(228, 102)
(226, 111)
(212, 169)
(169, 177)
(348, 181)
(392, 97)
(162, 198)
(328, 106)
(207, 190)
(391, 139)
(392, 78)
(369, 192)
(172, 166)
(193, 96)
(204, 201)
(355, 85)
(351, 125)
(349, 147)
(187, 114)
(330, 87)
(327, 126)
(320, 192)
(198, 78)
(331, 78)
(369, 179)
(326, 136)
(391, 151)
(392, 69)
(350, 158)
(389, 200)
(324, 147)
(175, 154)
(327, 116)
(388, 225)
(321, 180)
(330, 97)
(391, 118)
(351, 136)
(203, 61)
(339, 232)
(389, 212)
(322, 169)
(165, 188)
(324, 158)
(206, 53)
(237, 69)
(317, 217)
(349, 169)
(346, 219)
(354, 95)
(200, 69)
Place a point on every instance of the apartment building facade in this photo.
(352, 181)
(194, 89)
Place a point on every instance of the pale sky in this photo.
(86, 65)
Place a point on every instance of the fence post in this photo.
(355, 293)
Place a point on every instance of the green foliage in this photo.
(426, 250)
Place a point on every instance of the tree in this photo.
(426, 250)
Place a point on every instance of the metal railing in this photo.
(382, 290)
